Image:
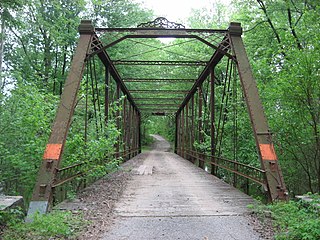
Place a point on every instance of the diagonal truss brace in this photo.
(263, 136)
(43, 193)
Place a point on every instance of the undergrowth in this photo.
(55, 225)
(294, 219)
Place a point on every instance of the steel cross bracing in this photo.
(199, 88)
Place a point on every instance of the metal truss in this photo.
(197, 105)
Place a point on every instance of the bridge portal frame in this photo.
(89, 45)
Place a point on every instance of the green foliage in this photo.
(292, 220)
(162, 125)
(116, 13)
(11, 217)
(284, 53)
(26, 115)
(57, 225)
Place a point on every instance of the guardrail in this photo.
(236, 168)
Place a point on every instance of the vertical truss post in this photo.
(43, 193)
(182, 133)
(124, 129)
(133, 140)
(130, 130)
(192, 129)
(118, 118)
(137, 132)
(201, 160)
(106, 95)
(263, 136)
(187, 133)
(134, 130)
(139, 129)
(176, 134)
(212, 120)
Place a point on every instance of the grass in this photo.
(292, 220)
(55, 225)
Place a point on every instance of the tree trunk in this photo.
(2, 39)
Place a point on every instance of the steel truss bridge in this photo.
(114, 79)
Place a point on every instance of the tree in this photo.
(5, 7)
(282, 44)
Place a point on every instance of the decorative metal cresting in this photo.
(161, 22)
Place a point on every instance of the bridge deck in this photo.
(179, 201)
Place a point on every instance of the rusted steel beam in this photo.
(118, 117)
(158, 99)
(263, 136)
(176, 132)
(192, 126)
(105, 59)
(182, 133)
(158, 113)
(190, 30)
(158, 80)
(187, 132)
(159, 91)
(215, 59)
(159, 63)
(164, 35)
(124, 126)
(129, 130)
(212, 119)
(201, 163)
(161, 109)
(158, 105)
(42, 195)
(106, 95)
(139, 133)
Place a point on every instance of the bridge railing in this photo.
(234, 168)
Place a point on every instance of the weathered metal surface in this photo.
(159, 63)
(195, 30)
(118, 117)
(106, 95)
(158, 105)
(158, 80)
(212, 119)
(105, 59)
(175, 91)
(42, 194)
(215, 59)
(200, 122)
(256, 175)
(274, 178)
(176, 134)
(161, 22)
(161, 34)
(157, 99)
